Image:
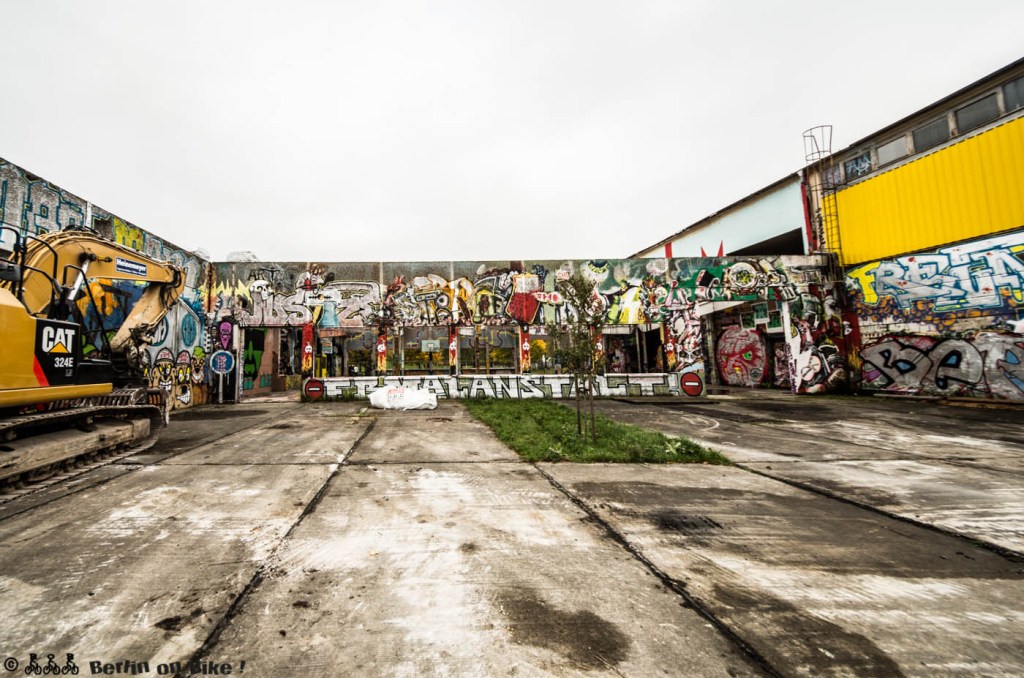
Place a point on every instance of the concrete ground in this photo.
(957, 468)
(275, 538)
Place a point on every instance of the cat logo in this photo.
(57, 339)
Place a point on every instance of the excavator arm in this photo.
(57, 268)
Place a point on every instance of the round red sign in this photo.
(314, 389)
(691, 384)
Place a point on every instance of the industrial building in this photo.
(926, 217)
(923, 222)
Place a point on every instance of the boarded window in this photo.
(977, 114)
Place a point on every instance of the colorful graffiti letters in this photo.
(967, 276)
(990, 364)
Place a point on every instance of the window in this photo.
(894, 150)
(830, 178)
(932, 134)
(1013, 94)
(977, 114)
(858, 167)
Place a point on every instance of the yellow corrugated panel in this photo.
(965, 190)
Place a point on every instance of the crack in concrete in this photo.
(1009, 554)
(238, 604)
(677, 587)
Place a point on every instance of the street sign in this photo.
(222, 362)
(691, 384)
(314, 389)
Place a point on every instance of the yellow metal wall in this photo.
(966, 190)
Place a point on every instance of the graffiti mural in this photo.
(672, 293)
(952, 282)
(183, 378)
(633, 291)
(742, 357)
(33, 206)
(252, 358)
(816, 342)
(178, 357)
(987, 364)
(161, 371)
(142, 241)
(945, 322)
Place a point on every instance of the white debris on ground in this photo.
(402, 398)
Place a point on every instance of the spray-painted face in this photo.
(198, 363)
(225, 332)
(260, 289)
(183, 378)
(162, 374)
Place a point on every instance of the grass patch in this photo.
(543, 430)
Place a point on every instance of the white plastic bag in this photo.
(402, 398)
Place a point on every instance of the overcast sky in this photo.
(417, 130)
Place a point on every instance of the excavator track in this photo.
(39, 446)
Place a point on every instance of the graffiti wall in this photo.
(947, 322)
(512, 386)
(182, 342)
(33, 205)
(798, 344)
(742, 357)
(633, 291)
(986, 364)
(671, 293)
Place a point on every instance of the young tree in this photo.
(576, 343)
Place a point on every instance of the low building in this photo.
(465, 328)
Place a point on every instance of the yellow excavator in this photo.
(56, 404)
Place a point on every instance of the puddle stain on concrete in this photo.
(585, 639)
(175, 624)
(670, 520)
(811, 645)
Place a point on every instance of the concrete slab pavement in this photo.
(246, 534)
(957, 469)
(445, 434)
(469, 569)
(145, 562)
(979, 503)
(143, 566)
(816, 586)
